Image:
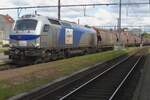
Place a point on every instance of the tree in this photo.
(145, 35)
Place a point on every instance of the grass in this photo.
(13, 82)
(2, 50)
(149, 50)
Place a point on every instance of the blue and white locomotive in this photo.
(40, 38)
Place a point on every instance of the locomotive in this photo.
(43, 38)
(40, 38)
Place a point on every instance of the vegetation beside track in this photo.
(2, 50)
(13, 82)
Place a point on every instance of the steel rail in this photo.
(106, 71)
(44, 94)
(124, 80)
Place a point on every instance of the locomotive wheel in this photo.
(54, 57)
(61, 55)
(47, 56)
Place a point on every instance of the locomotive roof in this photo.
(45, 17)
(59, 22)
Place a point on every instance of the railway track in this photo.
(106, 85)
(101, 81)
(9, 65)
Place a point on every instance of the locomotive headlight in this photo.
(37, 44)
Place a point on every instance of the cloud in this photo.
(98, 16)
(103, 17)
(19, 3)
(92, 21)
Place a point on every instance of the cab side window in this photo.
(46, 28)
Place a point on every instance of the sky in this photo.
(138, 15)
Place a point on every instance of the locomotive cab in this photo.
(26, 37)
(26, 33)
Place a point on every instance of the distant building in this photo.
(6, 23)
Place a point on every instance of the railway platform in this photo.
(142, 91)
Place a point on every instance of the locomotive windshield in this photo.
(26, 24)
